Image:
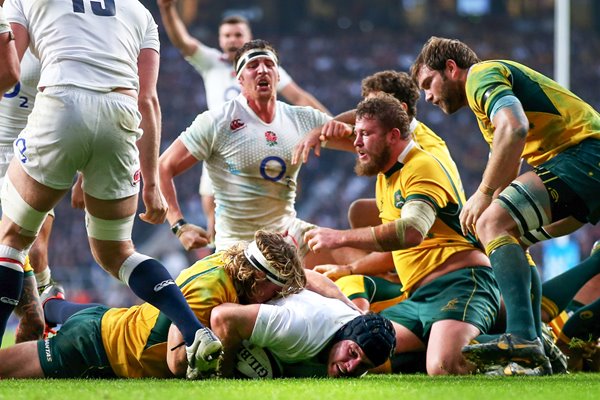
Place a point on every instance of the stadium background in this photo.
(328, 46)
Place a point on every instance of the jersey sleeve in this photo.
(13, 12)
(274, 331)
(151, 40)
(426, 181)
(487, 82)
(204, 58)
(198, 138)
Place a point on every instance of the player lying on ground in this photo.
(307, 334)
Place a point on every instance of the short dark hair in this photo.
(436, 51)
(235, 19)
(373, 333)
(387, 110)
(398, 84)
(253, 44)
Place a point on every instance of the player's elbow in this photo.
(412, 237)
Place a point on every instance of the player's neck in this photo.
(264, 108)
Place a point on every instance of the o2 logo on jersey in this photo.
(108, 10)
(14, 93)
(272, 168)
(21, 147)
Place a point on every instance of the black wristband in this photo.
(177, 225)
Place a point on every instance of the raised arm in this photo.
(300, 97)
(176, 30)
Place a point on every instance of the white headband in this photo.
(258, 261)
(251, 55)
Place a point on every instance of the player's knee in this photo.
(446, 365)
(20, 212)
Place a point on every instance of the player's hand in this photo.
(77, 197)
(323, 238)
(334, 271)
(335, 130)
(156, 205)
(472, 210)
(193, 237)
(308, 143)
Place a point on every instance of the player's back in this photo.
(85, 43)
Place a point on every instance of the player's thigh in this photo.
(112, 170)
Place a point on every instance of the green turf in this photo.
(397, 387)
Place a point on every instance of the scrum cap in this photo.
(373, 333)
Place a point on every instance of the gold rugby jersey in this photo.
(558, 119)
(418, 175)
(135, 338)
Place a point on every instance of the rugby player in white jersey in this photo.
(97, 96)
(220, 82)
(308, 334)
(247, 147)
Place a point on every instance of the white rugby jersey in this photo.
(297, 327)
(89, 44)
(17, 103)
(218, 75)
(250, 164)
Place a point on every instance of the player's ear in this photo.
(451, 68)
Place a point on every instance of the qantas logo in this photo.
(236, 125)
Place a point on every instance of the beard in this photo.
(452, 97)
(376, 163)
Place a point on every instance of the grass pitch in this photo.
(393, 387)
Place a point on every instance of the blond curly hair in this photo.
(281, 254)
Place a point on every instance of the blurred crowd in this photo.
(329, 60)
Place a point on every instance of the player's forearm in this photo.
(176, 30)
(9, 71)
(374, 263)
(507, 148)
(148, 144)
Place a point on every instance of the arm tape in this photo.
(416, 214)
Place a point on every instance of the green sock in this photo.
(584, 324)
(513, 274)
(536, 299)
(562, 288)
